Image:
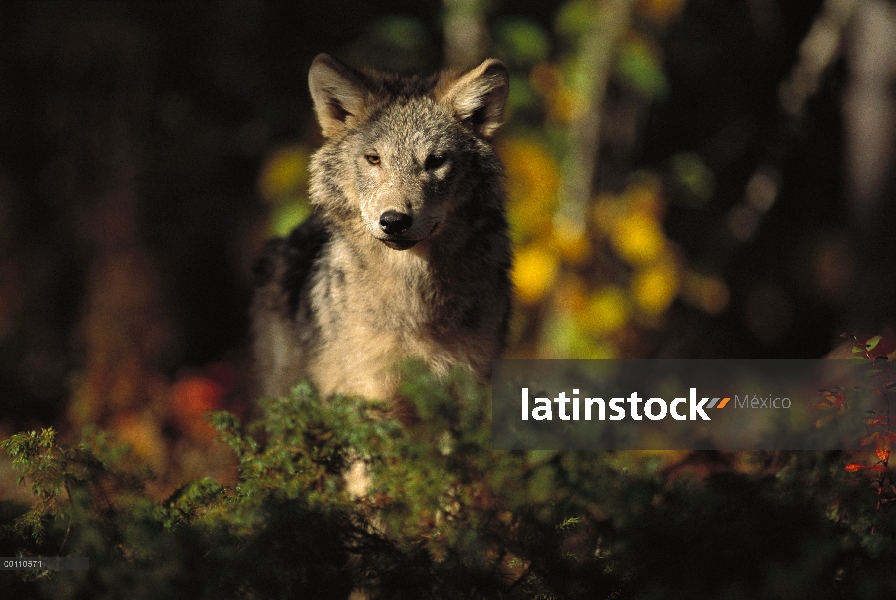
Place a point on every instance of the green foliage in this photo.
(638, 65)
(63, 478)
(444, 516)
(522, 41)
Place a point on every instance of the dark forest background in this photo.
(148, 149)
(686, 179)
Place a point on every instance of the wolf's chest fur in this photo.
(408, 254)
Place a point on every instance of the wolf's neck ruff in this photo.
(408, 254)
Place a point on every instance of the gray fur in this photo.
(344, 297)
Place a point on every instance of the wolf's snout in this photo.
(393, 222)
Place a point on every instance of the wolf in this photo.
(407, 254)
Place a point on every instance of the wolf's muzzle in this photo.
(396, 227)
(393, 222)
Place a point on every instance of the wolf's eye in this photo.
(434, 161)
(373, 159)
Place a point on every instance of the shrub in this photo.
(444, 517)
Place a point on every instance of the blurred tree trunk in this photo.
(865, 32)
(869, 118)
(466, 34)
(594, 61)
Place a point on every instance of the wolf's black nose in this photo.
(394, 222)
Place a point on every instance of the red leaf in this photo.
(853, 467)
(878, 468)
(191, 397)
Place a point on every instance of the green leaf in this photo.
(638, 64)
(289, 215)
(522, 41)
(401, 33)
(694, 181)
(872, 343)
(576, 18)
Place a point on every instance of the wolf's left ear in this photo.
(478, 97)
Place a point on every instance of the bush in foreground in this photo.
(444, 517)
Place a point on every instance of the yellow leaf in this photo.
(532, 182)
(284, 174)
(655, 287)
(638, 239)
(608, 311)
(535, 271)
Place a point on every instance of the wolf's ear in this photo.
(478, 97)
(340, 96)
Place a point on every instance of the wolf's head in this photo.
(403, 157)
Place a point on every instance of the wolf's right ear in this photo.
(340, 97)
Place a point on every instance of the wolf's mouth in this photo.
(400, 244)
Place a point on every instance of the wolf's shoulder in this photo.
(286, 263)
